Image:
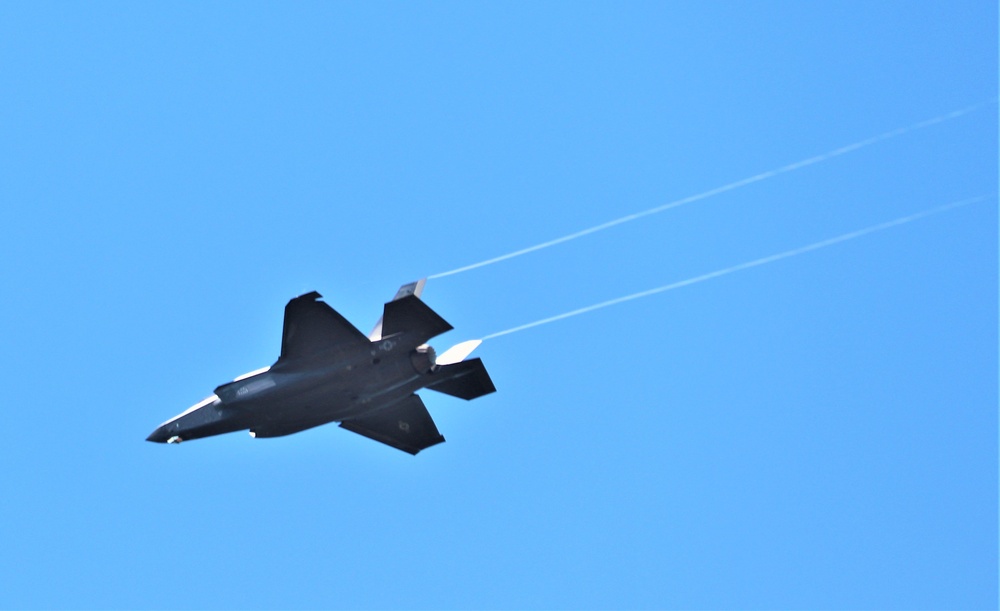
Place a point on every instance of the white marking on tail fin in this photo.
(458, 352)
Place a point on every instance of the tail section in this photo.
(465, 380)
(414, 317)
(413, 288)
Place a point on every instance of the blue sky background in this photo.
(816, 433)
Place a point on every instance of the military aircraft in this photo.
(329, 371)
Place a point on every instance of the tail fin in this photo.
(466, 380)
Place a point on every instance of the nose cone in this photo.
(160, 435)
(186, 424)
(165, 434)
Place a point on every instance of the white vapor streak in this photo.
(742, 266)
(723, 189)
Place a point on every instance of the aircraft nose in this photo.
(160, 435)
(164, 435)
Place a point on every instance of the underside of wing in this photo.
(405, 426)
(312, 326)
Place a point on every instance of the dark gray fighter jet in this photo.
(329, 371)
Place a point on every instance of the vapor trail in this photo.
(730, 187)
(742, 266)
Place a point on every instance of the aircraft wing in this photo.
(312, 326)
(405, 426)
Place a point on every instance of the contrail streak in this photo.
(730, 187)
(742, 266)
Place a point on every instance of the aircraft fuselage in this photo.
(328, 371)
(293, 396)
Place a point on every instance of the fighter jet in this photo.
(329, 371)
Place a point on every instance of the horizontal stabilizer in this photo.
(466, 380)
(413, 288)
(405, 426)
(411, 315)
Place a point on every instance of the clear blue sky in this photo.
(820, 432)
